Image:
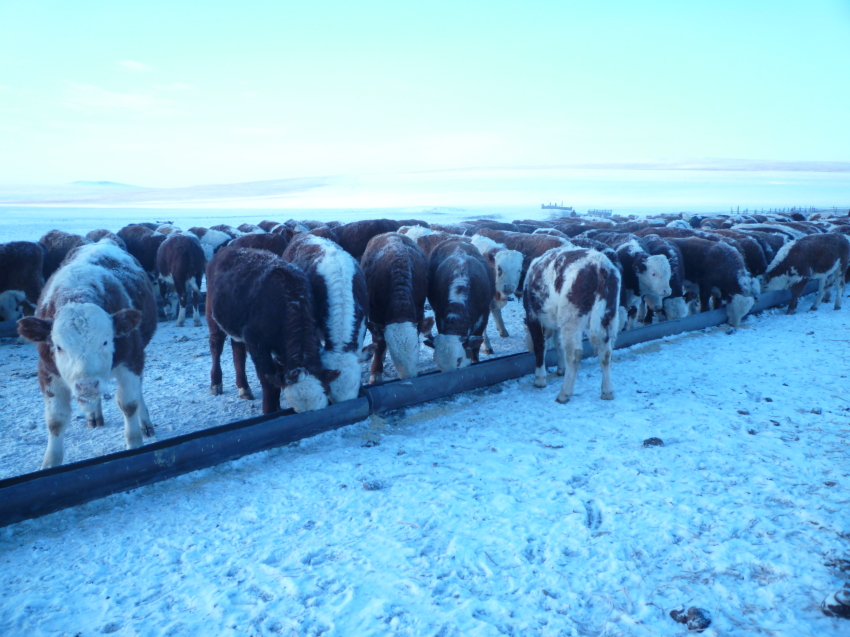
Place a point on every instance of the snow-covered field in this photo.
(494, 512)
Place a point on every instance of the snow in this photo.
(498, 511)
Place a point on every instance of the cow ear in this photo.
(35, 329)
(429, 342)
(125, 321)
(367, 352)
(490, 256)
(474, 341)
(640, 262)
(330, 375)
(426, 325)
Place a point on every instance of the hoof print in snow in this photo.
(594, 515)
(744, 412)
(837, 604)
(181, 339)
(373, 485)
(817, 410)
(370, 443)
(653, 442)
(752, 432)
(696, 619)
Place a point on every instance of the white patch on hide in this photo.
(737, 308)
(347, 385)
(414, 232)
(459, 290)
(403, 345)
(85, 334)
(675, 307)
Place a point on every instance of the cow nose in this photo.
(87, 386)
(668, 292)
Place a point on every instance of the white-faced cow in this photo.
(674, 306)
(530, 246)
(816, 257)
(718, 268)
(340, 302)
(21, 278)
(460, 289)
(569, 291)
(94, 319)
(507, 269)
(397, 281)
(180, 265)
(266, 307)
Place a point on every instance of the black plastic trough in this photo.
(42, 492)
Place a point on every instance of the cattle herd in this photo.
(299, 296)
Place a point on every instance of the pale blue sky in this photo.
(155, 94)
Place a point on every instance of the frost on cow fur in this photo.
(347, 385)
(337, 268)
(306, 394)
(403, 345)
(414, 232)
(449, 353)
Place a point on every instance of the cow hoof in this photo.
(790, 311)
(376, 378)
(563, 399)
(486, 351)
(147, 429)
(608, 396)
(540, 382)
(178, 324)
(245, 393)
(216, 390)
(504, 333)
(561, 372)
(197, 321)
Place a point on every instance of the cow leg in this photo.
(180, 288)
(57, 415)
(819, 295)
(486, 347)
(604, 348)
(704, 295)
(840, 283)
(538, 344)
(240, 356)
(796, 291)
(129, 399)
(573, 344)
(145, 417)
(196, 301)
(377, 374)
(496, 311)
(217, 338)
(560, 349)
(95, 417)
(271, 395)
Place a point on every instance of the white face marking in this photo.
(307, 394)
(403, 345)
(449, 353)
(737, 308)
(347, 385)
(675, 308)
(656, 278)
(83, 345)
(508, 271)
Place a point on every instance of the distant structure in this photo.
(600, 213)
(552, 206)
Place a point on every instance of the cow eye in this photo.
(104, 343)
(500, 271)
(59, 348)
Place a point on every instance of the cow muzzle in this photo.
(87, 391)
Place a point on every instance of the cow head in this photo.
(403, 345)
(453, 352)
(738, 307)
(676, 307)
(82, 339)
(12, 305)
(303, 390)
(508, 267)
(654, 275)
(347, 384)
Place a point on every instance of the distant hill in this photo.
(112, 184)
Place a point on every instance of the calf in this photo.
(716, 267)
(180, 264)
(643, 273)
(21, 277)
(461, 285)
(507, 269)
(275, 243)
(93, 321)
(355, 236)
(265, 305)
(530, 246)
(96, 235)
(340, 303)
(57, 244)
(819, 257)
(571, 290)
(674, 306)
(397, 280)
(143, 243)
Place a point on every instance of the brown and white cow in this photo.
(211, 240)
(265, 305)
(21, 278)
(674, 306)
(569, 291)
(461, 285)
(93, 321)
(143, 243)
(397, 281)
(180, 265)
(57, 244)
(815, 257)
(355, 236)
(340, 303)
(530, 246)
(507, 269)
(272, 242)
(103, 233)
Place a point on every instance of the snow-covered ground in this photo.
(494, 512)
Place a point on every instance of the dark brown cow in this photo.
(265, 305)
(143, 244)
(397, 280)
(21, 278)
(753, 252)
(819, 257)
(57, 244)
(325, 232)
(180, 264)
(268, 225)
(340, 303)
(94, 319)
(355, 236)
(461, 285)
(96, 235)
(272, 242)
(569, 291)
(249, 228)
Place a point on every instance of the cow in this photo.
(397, 281)
(167, 229)
(717, 268)
(569, 291)
(674, 306)
(249, 228)
(21, 277)
(143, 244)
(268, 225)
(57, 244)
(211, 240)
(272, 242)
(819, 257)
(230, 231)
(507, 269)
(266, 307)
(326, 232)
(96, 235)
(643, 273)
(340, 303)
(355, 236)
(530, 245)
(94, 318)
(461, 285)
(180, 264)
